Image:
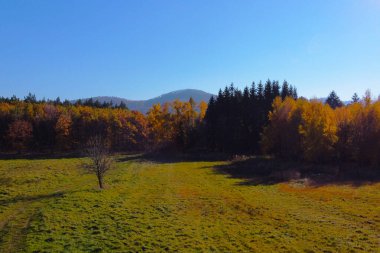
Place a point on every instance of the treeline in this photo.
(31, 98)
(235, 119)
(265, 118)
(312, 131)
(30, 125)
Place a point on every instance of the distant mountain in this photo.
(144, 105)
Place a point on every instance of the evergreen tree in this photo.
(30, 98)
(235, 119)
(275, 89)
(57, 101)
(333, 100)
(290, 91)
(285, 90)
(355, 98)
(295, 95)
(89, 102)
(122, 105)
(66, 102)
(14, 99)
(268, 90)
(260, 91)
(97, 104)
(253, 91)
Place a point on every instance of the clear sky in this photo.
(141, 49)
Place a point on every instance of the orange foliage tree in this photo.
(20, 133)
(63, 130)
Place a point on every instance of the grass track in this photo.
(53, 206)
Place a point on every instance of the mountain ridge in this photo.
(144, 105)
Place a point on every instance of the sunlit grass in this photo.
(54, 206)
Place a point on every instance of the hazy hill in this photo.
(144, 105)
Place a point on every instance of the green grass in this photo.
(54, 206)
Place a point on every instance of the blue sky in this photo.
(140, 49)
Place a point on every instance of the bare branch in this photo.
(97, 151)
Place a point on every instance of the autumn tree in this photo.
(6, 118)
(160, 127)
(345, 118)
(202, 110)
(281, 137)
(63, 130)
(318, 132)
(366, 132)
(19, 134)
(301, 129)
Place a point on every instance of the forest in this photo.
(261, 119)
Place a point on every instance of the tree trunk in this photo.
(100, 180)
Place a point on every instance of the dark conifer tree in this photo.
(253, 91)
(89, 102)
(355, 98)
(295, 95)
(275, 89)
(30, 98)
(285, 90)
(14, 99)
(260, 91)
(268, 90)
(78, 102)
(122, 105)
(57, 101)
(333, 100)
(235, 119)
(290, 91)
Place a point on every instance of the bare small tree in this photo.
(97, 151)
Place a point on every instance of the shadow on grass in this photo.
(174, 157)
(32, 198)
(168, 157)
(40, 156)
(268, 171)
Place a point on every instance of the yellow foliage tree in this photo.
(318, 130)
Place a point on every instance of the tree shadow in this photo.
(163, 158)
(268, 171)
(129, 157)
(57, 155)
(40, 156)
(38, 197)
(159, 157)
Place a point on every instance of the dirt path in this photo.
(14, 229)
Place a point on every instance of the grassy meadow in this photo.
(53, 205)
